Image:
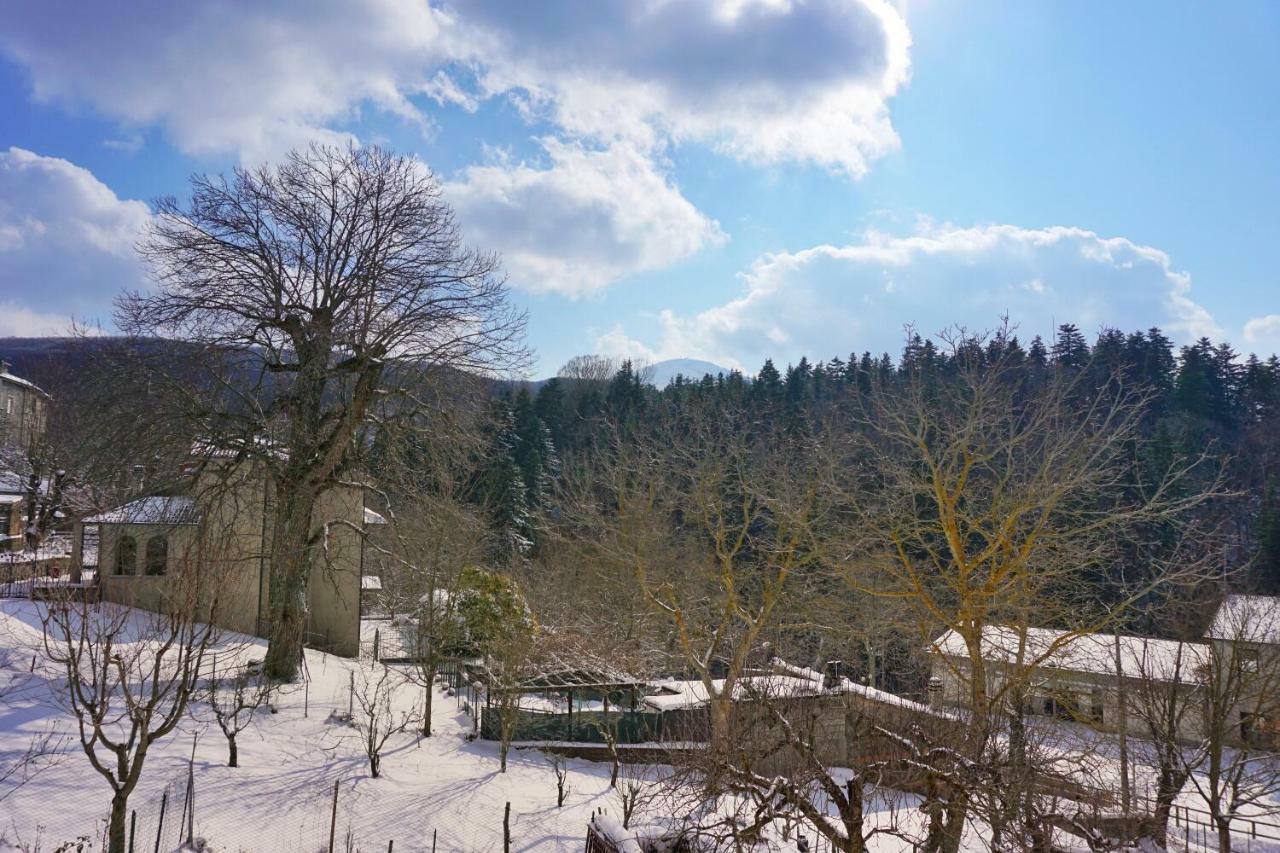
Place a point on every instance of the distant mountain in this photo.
(661, 373)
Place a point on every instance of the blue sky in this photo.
(722, 179)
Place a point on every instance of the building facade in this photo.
(24, 409)
(216, 538)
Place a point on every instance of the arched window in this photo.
(126, 555)
(157, 555)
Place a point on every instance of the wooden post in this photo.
(191, 797)
(391, 845)
(164, 803)
(351, 696)
(433, 841)
(133, 828)
(377, 643)
(306, 696)
(333, 817)
(506, 828)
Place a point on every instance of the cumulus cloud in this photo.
(588, 218)
(616, 81)
(66, 243)
(240, 75)
(829, 300)
(762, 80)
(1263, 332)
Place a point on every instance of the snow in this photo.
(372, 517)
(156, 509)
(1167, 660)
(280, 798)
(1250, 618)
(23, 383)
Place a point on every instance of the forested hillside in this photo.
(1199, 398)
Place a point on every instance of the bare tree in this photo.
(981, 500)
(712, 522)
(130, 676)
(234, 702)
(432, 534)
(376, 717)
(559, 765)
(320, 291)
(1234, 767)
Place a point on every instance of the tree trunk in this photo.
(426, 700)
(290, 573)
(1224, 838)
(116, 839)
(233, 759)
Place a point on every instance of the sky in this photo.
(729, 180)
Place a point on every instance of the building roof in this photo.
(1164, 660)
(1251, 618)
(371, 517)
(787, 681)
(157, 509)
(6, 376)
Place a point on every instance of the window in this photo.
(126, 555)
(8, 405)
(157, 555)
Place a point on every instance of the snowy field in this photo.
(280, 798)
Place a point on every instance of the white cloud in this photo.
(1263, 332)
(66, 243)
(618, 81)
(766, 81)
(588, 218)
(242, 76)
(828, 300)
(19, 321)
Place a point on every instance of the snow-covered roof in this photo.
(786, 681)
(1250, 618)
(370, 582)
(1165, 660)
(11, 499)
(371, 517)
(150, 510)
(17, 380)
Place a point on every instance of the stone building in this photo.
(219, 527)
(24, 408)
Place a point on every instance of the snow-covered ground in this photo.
(281, 797)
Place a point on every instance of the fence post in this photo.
(133, 828)
(164, 803)
(377, 642)
(433, 841)
(306, 696)
(333, 817)
(351, 696)
(191, 812)
(391, 845)
(506, 828)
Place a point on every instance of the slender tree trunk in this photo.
(427, 696)
(233, 759)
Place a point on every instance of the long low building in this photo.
(1070, 675)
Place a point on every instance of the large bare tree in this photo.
(987, 496)
(322, 290)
